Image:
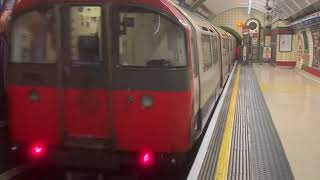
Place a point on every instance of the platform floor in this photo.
(244, 143)
(293, 99)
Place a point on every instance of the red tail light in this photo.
(146, 159)
(37, 151)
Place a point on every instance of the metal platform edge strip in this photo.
(208, 138)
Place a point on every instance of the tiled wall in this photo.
(231, 17)
(304, 58)
(301, 60)
(306, 65)
(310, 42)
(281, 58)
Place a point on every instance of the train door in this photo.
(209, 73)
(220, 57)
(225, 59)
(216, 64)
(231, 53)
(197, 124)
(32, 77)
(85, 78)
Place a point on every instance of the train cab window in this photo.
(85, 34)
(206, 51)
(34, 37)
(148, 39)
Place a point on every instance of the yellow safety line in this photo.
(224, 154)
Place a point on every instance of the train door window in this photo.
(194, 53)
(34, 37)
(85, 34)
(214, 49)
(223, 46)
(148, 39)
(206, 52)
(194, 50)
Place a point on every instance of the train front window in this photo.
(34, 37)
(85, 34)
(148, 39)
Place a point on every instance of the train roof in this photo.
(163, 5)
(166, 6)
(200, 22)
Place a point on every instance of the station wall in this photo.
(305, 54)
(308, 58)
(284, 44)
(304, 49)
(232, 17)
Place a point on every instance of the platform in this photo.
(241, 141)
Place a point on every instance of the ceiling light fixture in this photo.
(249, 7)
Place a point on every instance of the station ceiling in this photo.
(282, 9)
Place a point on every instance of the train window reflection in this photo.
(149, 40)
(85, 33)
(34, 38)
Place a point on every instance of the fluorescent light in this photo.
(249, 7)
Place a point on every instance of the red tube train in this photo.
(102, 79)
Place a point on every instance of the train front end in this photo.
(93, 82)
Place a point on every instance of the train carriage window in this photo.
(34, 37)
(214, 42)
(85, 34)
(206, 51)
(225, 47)
(148, 39)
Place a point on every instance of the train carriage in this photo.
(111, 77)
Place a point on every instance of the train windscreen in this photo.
(34, 37)
(148, 39)
(85, 34)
